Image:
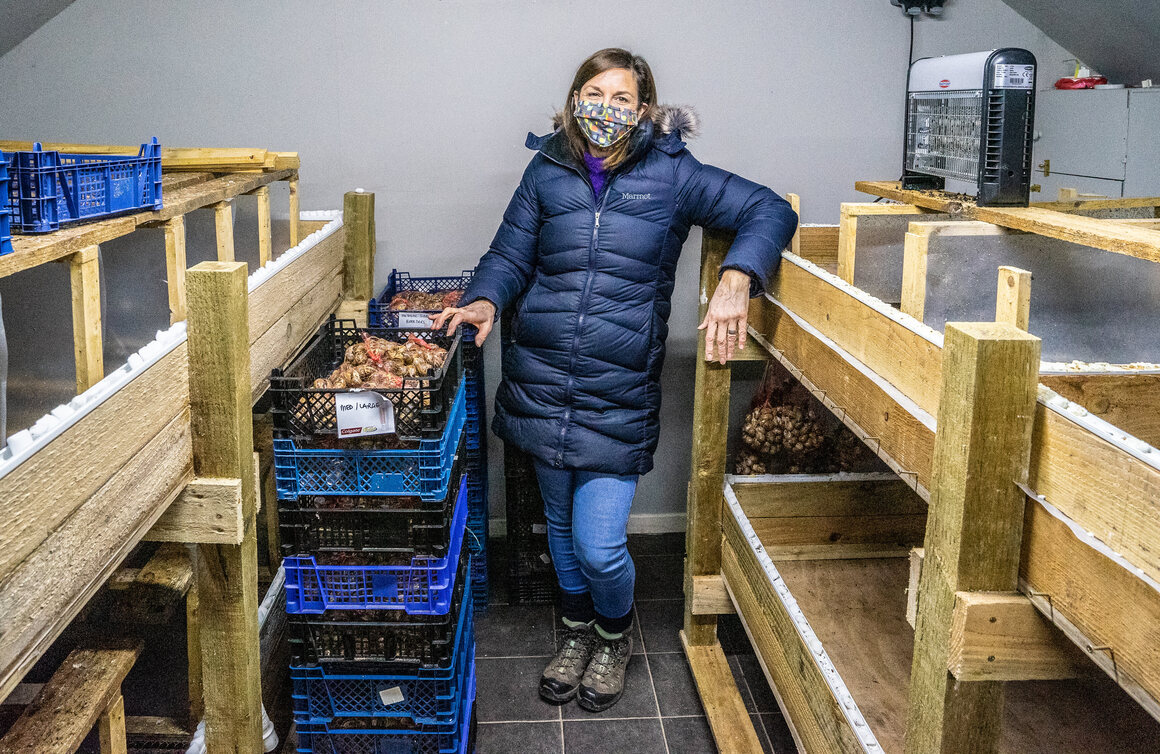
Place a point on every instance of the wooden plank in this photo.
(193, 650)
(827, 495)
(174, 181)
(1000, 636)
(172, 158)
(155, 590)
(974, 533)
(1013, 297)
(92, 450)
(223, 219)
(1127, 400)
(358, 268)
(937, 201)
(728, 719)
(270, 301)
(894, 350)
(47, 590)
(836, 551)
(916, 555)
(295, 212)
(355, 310)
(1081, 205)
(207, 511)
(819, 244)
(152, 725)
(795, 203)
(810, 708)
(87, 683)
(111, 728)
(219, 384)
(88, 351)
(710, 427)
(902, 531)
(847, 243)
(710, 596)
(915, 248)
(265, 236)
(1112, 615)
(175, 266)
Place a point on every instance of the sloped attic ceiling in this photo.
(19, 18)
(1118, 38)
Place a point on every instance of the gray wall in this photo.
(427, 105)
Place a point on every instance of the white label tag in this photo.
(539, 528)
(414, 320)
(363, 412)
(1008, 76)
(390, 696)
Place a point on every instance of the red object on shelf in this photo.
(1087, 82)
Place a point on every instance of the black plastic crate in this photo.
(384, 640)
(532, 578)
(312, 524)
(422, 404)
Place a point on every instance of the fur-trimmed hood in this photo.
(681, 120)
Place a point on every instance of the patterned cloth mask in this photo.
(604, 125)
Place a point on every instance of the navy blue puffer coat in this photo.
(594, 279)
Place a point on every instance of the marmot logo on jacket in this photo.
(626, 195)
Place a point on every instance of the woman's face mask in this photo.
(604, 125)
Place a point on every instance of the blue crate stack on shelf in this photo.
(388, 309)
(5, 214)
(379, 596)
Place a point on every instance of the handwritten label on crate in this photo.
(363, 412)
(414, 320)
(390, 696)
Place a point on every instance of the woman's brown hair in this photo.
(596, 64)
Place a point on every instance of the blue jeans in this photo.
(587, 516)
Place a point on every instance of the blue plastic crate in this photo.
(5, 220)
(425, 471)
(327, 738)
(423, 587)
(379, 313)
(428, 696)
(48, 188)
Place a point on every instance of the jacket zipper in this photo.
(592, 244)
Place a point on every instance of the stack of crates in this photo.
(5, 214)
(378, 580)
(532, 577)
(381, 313)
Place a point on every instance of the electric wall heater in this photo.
(969, 117)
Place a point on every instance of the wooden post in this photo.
(265, 236)
(193, 650)
(1013, 300)
(358, 263)
(294, 211)
(710, 427)
(88, 349)
(223, 446)
(914, 251)
(111, 728)
(175, 266)
(795, 245)
(847, 240)
(975, 523)
(223, 218)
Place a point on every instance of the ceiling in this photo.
(1117, 38)
(19, 18)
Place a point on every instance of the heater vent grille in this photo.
(943, 131)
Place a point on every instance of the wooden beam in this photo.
(265, 237)
(175, 266)
(295, 212)
(728, 719)
(914, 254)
(710, 597)
(88, 349)
(1128, 400)
(848, 229)
(358, 267)
(710, 427)
(207, 511)
(795, 244)
(1013, 297)
(1000, 636)
(844, 494)
(83, 690)
(153, 592)
(356, 310)
(934, 200)
(111, 728)
(916, 556)
(219, 386)
(819, 244)
(223, 219)
(193, 649)
(974, 532)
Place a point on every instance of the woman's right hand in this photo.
(480, 313)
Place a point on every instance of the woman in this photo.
(588, 246)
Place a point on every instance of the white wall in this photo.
(427, 104)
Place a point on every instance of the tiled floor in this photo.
(659, 712)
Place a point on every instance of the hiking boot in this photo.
(603, 681)
(561, 678)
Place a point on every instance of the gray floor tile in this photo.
(763, 698)
(742, 684)
(780, 739)
(731, 635)
(659, 577)
(526, 738)
(674, 684)
(637, 700)
(613, 736)
(660, 624)
(514, 631)
(508, 690)
(688, 735)
(762, 736)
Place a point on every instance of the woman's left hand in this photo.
(728, 315)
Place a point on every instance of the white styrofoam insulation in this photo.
(23, 444)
